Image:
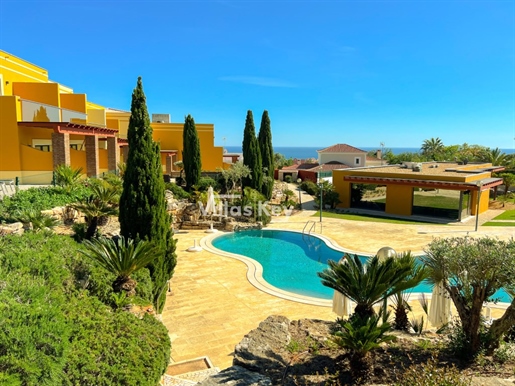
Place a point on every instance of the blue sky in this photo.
(356, 72)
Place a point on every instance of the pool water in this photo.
(290, 260)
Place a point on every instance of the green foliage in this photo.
(472, 270)
(233, 176)
(430, 374)
(310, 187)
(39, 199)
(508, 180)
(288, 179)
(121, 257)
(255, 200)
(280, 161)
(433, 149)
(373, 282)
(329, 195)
(205, 182)
(191, 153)
(36, 218)
(267, 155)
(177, 191)
(360, 335)
(66, 177)
(252, 155)
(56, 332)
(143, 213)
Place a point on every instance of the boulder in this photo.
(237, 376)
(260, 349)
(16, 228)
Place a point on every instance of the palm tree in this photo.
(121, 257)
(360, 336)
(374, 282)
(101, 203)
(432, 148)
(496, 157)
(66, 177)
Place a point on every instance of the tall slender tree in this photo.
(143, 214)
(191, 153)
(252, 155)
(267, 155)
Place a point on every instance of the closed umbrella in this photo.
(440, 306)
(210, 207)
(341, 303)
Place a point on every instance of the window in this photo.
(357, 161)
(74, 146)
(42, 147)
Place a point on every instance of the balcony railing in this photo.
(40, 112)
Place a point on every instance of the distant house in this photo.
(346, 154)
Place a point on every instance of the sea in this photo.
(311, 152)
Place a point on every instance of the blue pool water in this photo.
(290, 260)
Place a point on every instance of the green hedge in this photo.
(56, 331)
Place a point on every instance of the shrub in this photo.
(287, 179)
(429, 374)
(57, 331)
(177, 191)
(310, 187)
(205, 182)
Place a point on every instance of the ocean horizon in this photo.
(311, 152)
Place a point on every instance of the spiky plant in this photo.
(372, 282)
(361, 335)
(121, 257)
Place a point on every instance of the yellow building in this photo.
(406, 190)
(44, 124)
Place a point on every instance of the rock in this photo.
(260, 349)
(12, 229)
(237, 376)
(492, 381)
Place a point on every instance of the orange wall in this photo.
(33, 159)
(399, 200)
(75, 102)
(9, 138)
(47, 93)
(78, 159)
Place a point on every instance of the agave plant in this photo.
(121, 257)
(35, 217)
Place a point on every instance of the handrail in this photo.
(312, 228)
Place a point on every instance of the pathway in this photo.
(212, 305)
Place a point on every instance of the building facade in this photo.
(44, 124)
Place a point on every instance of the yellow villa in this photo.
(44, 124)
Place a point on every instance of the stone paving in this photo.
(212, 305)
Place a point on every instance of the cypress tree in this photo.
(252, 155)
(267, 155)
(191, 153)
(143, 214)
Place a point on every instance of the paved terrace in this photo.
(212, 304)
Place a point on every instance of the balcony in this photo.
(40, 112)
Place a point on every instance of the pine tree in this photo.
(267, 155)
(252, 155)
(143, 214)
(191, 153)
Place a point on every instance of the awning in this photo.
(72, 128)
(483, 184)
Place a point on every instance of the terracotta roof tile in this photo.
(341, 148)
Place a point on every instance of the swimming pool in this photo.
(290, 260)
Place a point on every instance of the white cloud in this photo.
(259, 81)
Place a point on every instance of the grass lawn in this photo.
(369, 218)
(507, 215)
(499, 224)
